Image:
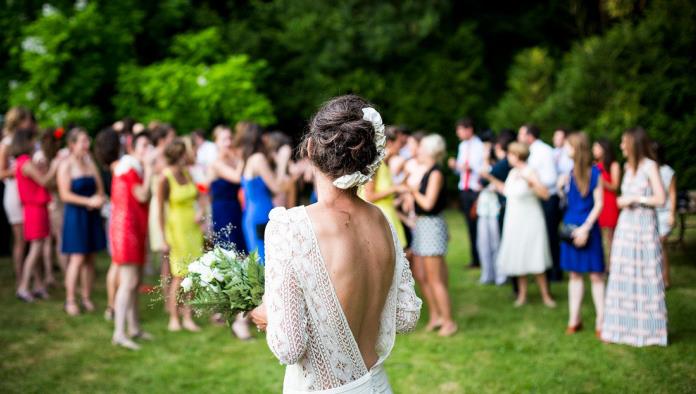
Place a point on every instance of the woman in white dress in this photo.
(524, 248)
(16, 118)
(338, 287)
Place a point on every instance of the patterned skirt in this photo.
(430, 236)
(636, 313)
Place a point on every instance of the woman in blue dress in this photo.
(259, 182)
(225, 174)
(582, 255)
(81, 189)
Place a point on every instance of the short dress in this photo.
(383, 181)
(430, 233)
(610, 209)
(227, 215)
(10, 199)
(83, 229)
(128, 224)
(589, 258)
(663, 227)
(181, 231)
(35, 199)
(258, 203)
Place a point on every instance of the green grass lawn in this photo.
(498, 349)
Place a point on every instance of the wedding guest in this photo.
(635, 309)
(468, 165)
(430, 233)
(583, 254)
(81, 190)
(563, 162)
(161, 135)
(225, 174)
(488, 231)
(279, 145)
(180, 225)
(666, 212)
(541, 161)
(524, 232)
(206, 151)
(16, 118)
(130, 192)
(107, 151)
(31, 185)
(259, 182)
(381, 191)
(610, 169)
(338, 288)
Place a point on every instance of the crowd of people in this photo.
(152, 198)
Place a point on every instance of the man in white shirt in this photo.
(468, 165)
(564, 164)
(541, 160)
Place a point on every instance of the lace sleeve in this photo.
(408, 305)
(286, 308)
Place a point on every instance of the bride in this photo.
(338, 287)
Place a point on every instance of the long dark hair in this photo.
(248, 138)
(640, 146)
(608, 155)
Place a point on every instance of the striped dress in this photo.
(636, 313)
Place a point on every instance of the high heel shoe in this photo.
(125, 343)
(87, 305)
(570, 330)
(24, 296)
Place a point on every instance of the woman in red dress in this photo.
(31, 184)
(611, 180)
(130, 193)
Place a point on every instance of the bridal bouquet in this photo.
(226, 282)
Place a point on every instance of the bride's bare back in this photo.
(357, 247)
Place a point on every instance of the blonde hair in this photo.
(219, 129)
(435, 145)
(13, 118)
(520, 150)
(582, 160)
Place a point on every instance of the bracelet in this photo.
(642, 200)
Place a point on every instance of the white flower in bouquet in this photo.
(207, 259)
(186, 284)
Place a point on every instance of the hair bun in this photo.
(342, 142)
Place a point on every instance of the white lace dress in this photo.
(307, 329)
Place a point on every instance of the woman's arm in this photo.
(497, 183)
(537, 187)
(432, 190)
(141, 191)
(581, 234)
(43, 179)
(66, 195)
(372, 196)
(615, 171)
(260, 163)
(672, 201)
(162, 197)
(5, 170)
(227, 172)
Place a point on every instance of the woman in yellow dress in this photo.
(180, 225)
(381, 190)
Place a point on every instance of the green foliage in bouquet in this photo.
(226, 282)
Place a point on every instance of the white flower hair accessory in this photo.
(358, 178)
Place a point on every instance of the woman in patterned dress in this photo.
(635, 309)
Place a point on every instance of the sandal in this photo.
(41, 294)
(87, 305)
(144, 335)
(71, 308)
(448, 330)
(125, 343)
(24, 296)
(109, 313)
(432, 326)
(550, 303)
(570, 330)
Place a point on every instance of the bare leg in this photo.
(87, 279)
(28, 270)
(173, 305)
(597, 281)
(112, 281)
(665, 262)
(72, 274)
(434, 266)
(575, 293)
(18, 246)
(521, 290)
(165, 278)
(544, 287)
(128, 279)
(419, 275)
(47, 251)
(608, 238)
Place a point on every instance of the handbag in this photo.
(565, 232)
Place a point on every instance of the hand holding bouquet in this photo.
(224, 281)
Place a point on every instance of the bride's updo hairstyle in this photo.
(342, 142)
